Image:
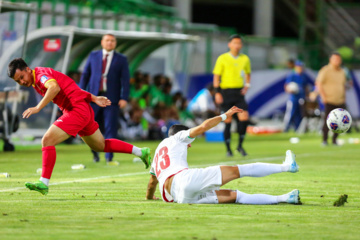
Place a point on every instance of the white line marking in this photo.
(11, 189)
(81, 180)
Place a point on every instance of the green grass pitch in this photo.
(104, 202)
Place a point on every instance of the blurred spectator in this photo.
(146, 79)
(137, 75)
(138, 89)
(290, 63)
(203, 105)
(186, 117)
(156, 95)
(168, 100)
(349, 79)
(177, 99)
(295, 85)
(350, 84)
(75, 75)
(131, 127)
(153, 109)
(330, 83)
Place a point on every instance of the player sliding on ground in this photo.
(77, 118)
(180, 184)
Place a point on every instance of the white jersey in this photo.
(170, 158)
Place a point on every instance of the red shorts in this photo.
(79, 120)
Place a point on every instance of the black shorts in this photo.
(233, 97)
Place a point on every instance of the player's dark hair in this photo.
(291, 61)
(234, 36)
(335, 53)
(176, 128)
(108, 34)
(17, 63)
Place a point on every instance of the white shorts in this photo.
(196, 185)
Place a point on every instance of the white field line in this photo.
(267, 159)
(82, 180)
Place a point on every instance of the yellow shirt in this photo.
(232, 70)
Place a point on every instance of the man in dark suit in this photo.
(106, 73)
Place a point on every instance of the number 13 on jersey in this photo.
(164, 161)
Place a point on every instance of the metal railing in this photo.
(329, 28)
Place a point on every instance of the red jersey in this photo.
(69, 93)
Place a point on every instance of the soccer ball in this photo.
(339, 120)
(292, 87)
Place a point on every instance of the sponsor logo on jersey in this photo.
(43, 79)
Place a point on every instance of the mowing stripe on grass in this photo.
(269, 159)
(140, 173)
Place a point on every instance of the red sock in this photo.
(115, 145)
(48, 161)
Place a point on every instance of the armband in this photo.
(223, 117)
(218, 90)
(248, 85)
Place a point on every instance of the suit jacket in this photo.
(118, 77)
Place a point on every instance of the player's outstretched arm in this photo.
(100, 101)
(53, 89)
(212, 122)
(151, 188)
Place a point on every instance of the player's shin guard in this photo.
(48, 161)
(260, 169)
(115, 145)
(258, 199)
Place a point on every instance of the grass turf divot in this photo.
(341, 201)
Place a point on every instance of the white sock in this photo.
(285, 167)
(258, 199)
(136, 151)
(261, 169)
(45, 181)
(283, 198)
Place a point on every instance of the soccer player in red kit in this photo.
(77, 118)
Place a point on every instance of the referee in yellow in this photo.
(231, 82)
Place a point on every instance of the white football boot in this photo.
(290, 160)
(294, 197)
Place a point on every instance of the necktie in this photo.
(103, 81)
